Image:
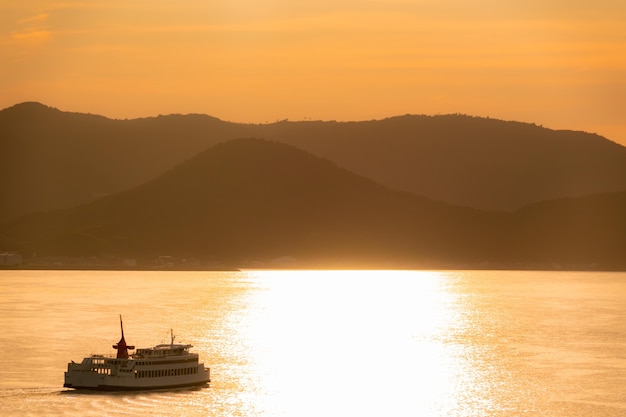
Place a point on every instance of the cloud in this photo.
(41, 17)
(32, 29)
(32, 35)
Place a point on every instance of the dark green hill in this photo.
(53, 159)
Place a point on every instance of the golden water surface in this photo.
(335, 343)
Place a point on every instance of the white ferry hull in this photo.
(78, 377)
(94, 381)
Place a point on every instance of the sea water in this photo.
(325, 343)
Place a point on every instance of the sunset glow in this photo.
(559, 64)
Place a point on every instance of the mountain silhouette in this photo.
(585, 231)
(51, 159)
(252, 200)
(470, 161)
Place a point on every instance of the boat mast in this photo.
(121, 346)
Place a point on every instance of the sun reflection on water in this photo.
(464, 343)
(356, 342)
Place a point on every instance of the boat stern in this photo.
(84, 374)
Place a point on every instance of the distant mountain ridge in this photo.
(52, 159)
(476, 162)
(248, 201)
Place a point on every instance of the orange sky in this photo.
(558, 63)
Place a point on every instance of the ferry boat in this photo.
(163, 366)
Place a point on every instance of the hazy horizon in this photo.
(561, 65)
